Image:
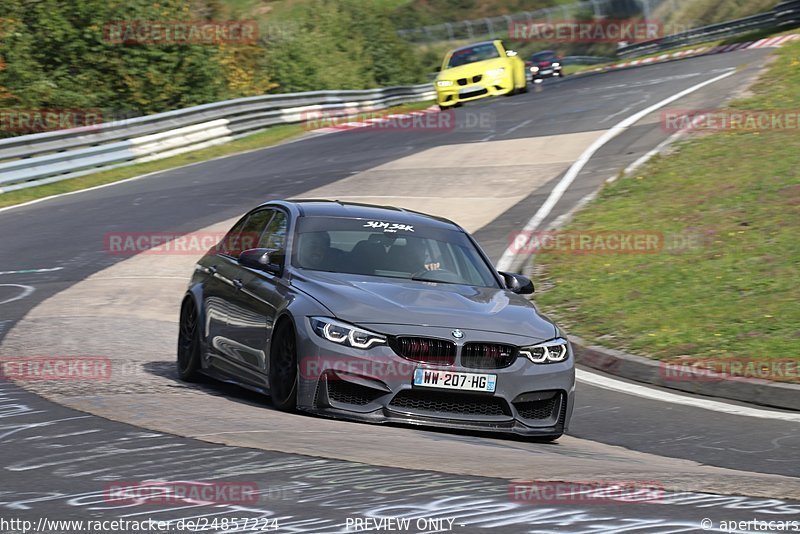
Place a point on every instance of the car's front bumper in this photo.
(457, 94)
(549, 72)
(376, 386)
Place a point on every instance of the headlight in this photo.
(553, 351)
(444, 83)
(534, 69)
(556, 64)
(495, 72)
(345, 334)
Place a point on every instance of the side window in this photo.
(245, 234)
(274, 237)
(231, 239)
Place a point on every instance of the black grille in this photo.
(476, 79)
(426, 350)
(562, 416)
(348, 393)
(488, 355)
(475, 93)
(455, 403)
(462, 81)
(540, 409)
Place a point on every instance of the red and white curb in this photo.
(772, 42)
(399, 118)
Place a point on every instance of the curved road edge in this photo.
(654, 372)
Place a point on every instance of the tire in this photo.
(188, 361)
(283, 368)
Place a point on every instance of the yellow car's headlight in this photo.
(495, 72)
(444, 83)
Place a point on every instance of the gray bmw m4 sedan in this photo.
(375, 314)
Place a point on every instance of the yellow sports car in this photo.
(479, 70)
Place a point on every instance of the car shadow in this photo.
(211, 386)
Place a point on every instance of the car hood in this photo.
(473, 69)
(372, 300)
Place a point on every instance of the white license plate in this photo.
(547, 71)
(468, 90)
(433, 378)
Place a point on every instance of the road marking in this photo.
(645, 392)
(625, 110)
(509, 255)
(32, 271)
(517, 127)
(26, 290)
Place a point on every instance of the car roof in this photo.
(356, 210)
(471, 45)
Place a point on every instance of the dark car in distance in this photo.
(545, 64)
(374, 314)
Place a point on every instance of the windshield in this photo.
(543, 56)
(388, 249)
(473, 54)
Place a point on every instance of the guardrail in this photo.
(784, 15)
(43, 158)
(585, 60)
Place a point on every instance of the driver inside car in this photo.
(412, 256)
(314, 251)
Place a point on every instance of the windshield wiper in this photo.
(423, 279)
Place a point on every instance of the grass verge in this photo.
(269, 137)
(734, 292)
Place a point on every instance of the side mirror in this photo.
(516, 283)
(263, 259)
(438, 69)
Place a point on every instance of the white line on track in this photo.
(32, 271)
(517, 127)
(26, 290)
(623, 111)
(507, 259)
(645, 392)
